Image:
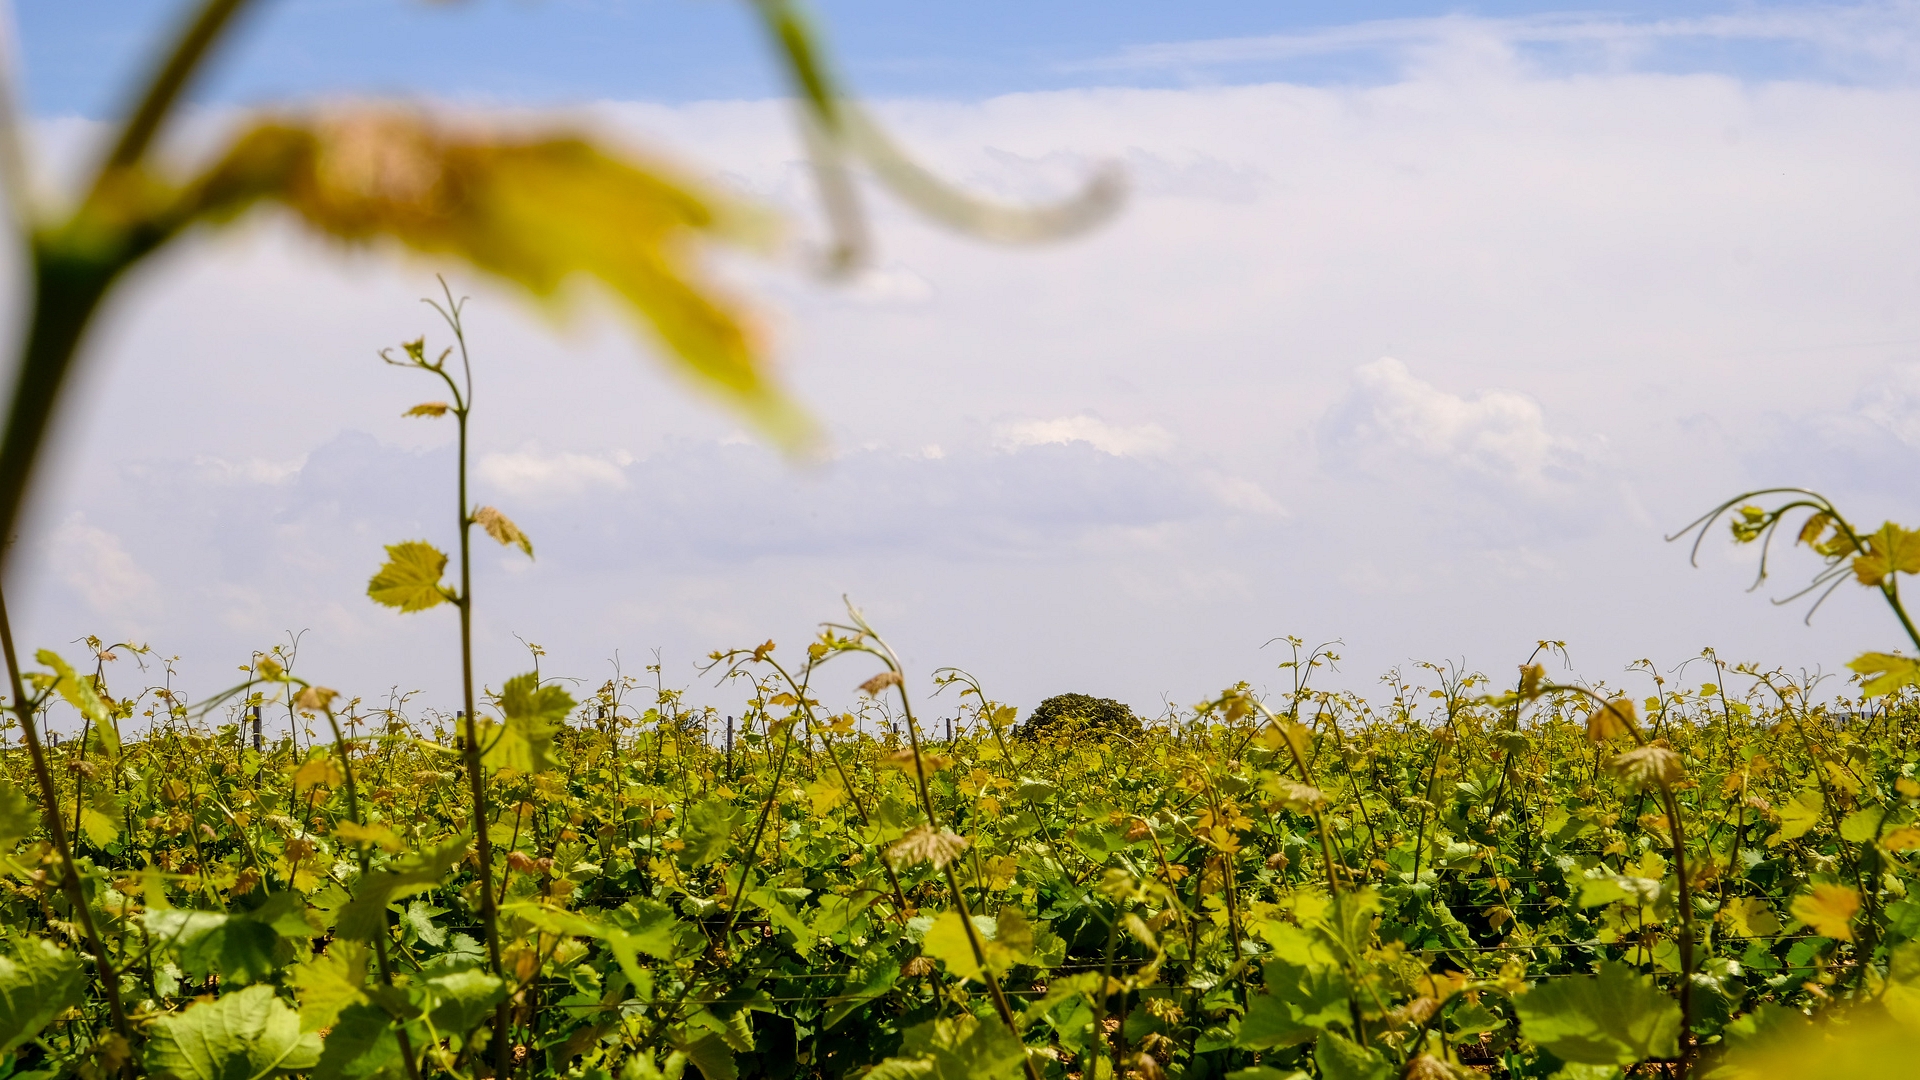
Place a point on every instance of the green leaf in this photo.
(1340, 1058)
(329, 983)
(18, 815)
(1301, 1001)
(363, 1045)
(365, 916)
(462, 999)
(642, 926)
(79, 692)
(711, 1055)
(239, 947)
(1005, 941)
(1616, 1017)
(1798, 817)
(960, 1048)
(245, 1035)
(1890, 550)
(410, 578)
(1901, 997)
(708, 827)
(525, 742)
(781, 916)
(1862, 825)
(38, 981)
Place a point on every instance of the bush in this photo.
(1073, 713)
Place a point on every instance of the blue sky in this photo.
(1420, 328)
(560, 51)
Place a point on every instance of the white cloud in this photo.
(1239, 493)
(537, 473)
(1695, 265)
(1389, 415)
(1144, 440)
(96, 565)
(250, 470)
(1885, 33)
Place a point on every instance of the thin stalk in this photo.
(344, 752)
(50, 803)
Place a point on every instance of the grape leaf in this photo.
(1886, 672)
(538, 212)
(1615, 1017)
(1829, 910)
(243, 1035)
(365, 916)
(410, 578)
(38, 981)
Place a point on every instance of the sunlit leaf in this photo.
(329, 983)
(532, 712)
(18, 815)
(410, 579)
(1885, 672)
(38, 981)
(1889, 550)
(243, 1035)
(1616, 1017)
(538, 211)
(1610, 720)
(78, 691)
(1646, 768)
(923, 843)
(1829, 910)
(1801, 814)
(365, 916)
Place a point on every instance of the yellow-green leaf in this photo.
(1829, 910)
(410, 580)
(1005, 941)
(79, 692)
(538, 211)
(1889, 551)
(532, 712)
(329, 983)
(1798, 817)
(1748, 916)
(1886, 672)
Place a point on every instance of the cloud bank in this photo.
(1427, 365)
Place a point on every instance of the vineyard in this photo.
(1537, 879)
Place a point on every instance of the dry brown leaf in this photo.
(502, 529)
(923, 844)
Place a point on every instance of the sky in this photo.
(1420, 329)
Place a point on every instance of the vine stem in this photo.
(885, 653)
(344, 752)
(50, 806)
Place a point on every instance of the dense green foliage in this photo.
(1312, 883)
(1067, 715)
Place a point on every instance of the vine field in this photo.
(1542, 879)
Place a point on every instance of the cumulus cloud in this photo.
(1708, 269)
(97, 567)
(1389, 416)
(1140, 441)
(534, 472)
